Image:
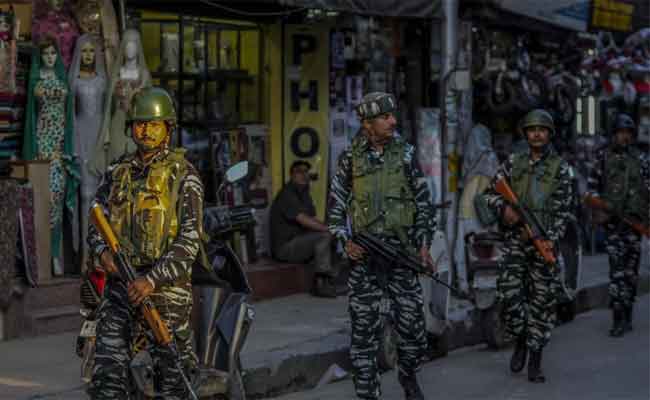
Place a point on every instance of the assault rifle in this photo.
(600, 204)
(532, 226)
(374, 245)
(147, 308)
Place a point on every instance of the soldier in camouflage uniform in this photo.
(621, 177)
(380, 188)
(527, 287)
(154, 200)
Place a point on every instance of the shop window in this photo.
(212, 69)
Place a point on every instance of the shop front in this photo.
(264, 82)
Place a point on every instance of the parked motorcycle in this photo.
(482, 252)
(222, 314)
(516, 85)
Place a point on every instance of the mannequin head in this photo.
(131, 50)
(55, 5)
(89, 16)
(5, 22)
(88, 55)
(48, 52)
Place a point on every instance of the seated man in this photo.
(297, 236)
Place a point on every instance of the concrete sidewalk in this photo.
(292, 343)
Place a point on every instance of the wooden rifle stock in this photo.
(600, 204)
(541, 243)
(158, 327)
(147, 308)
(149, 311)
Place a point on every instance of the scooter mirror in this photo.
(237, 171)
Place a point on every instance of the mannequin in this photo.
(480, 163)
(48, 135)
(51, 18)
(87, 79)
(129, 75)
(6, 27)
(98, 17)
(171, 58)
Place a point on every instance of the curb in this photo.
(285, 370)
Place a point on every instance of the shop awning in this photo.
(389, 8)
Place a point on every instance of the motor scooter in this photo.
(221, 314)
(482, 252)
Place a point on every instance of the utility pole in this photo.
(449, 122)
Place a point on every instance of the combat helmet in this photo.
(537, 117)
(623, 121)
(152, 103)
(375, 104)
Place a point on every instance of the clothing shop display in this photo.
(87, 80)
(48, 136)
(53, 18)
(129, 76)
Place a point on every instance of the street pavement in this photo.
(294, 340)
(581, 362)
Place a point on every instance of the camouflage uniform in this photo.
(171, 276)
(527, 287)
(370, 278)
(623, 244)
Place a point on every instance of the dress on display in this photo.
(58, 24)
(88, 99)
(114, 140)
(48, 136)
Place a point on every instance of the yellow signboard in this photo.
(306, 106)
(612, 15)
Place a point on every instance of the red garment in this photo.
(60, 26)
(642, 87)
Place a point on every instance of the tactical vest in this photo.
(624, 187)
(534, 185)
(382, 200)
(144, 212)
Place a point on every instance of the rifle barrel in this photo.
(387, 251)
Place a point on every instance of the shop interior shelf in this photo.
(213, 74)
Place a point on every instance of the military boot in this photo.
(617, 327)
(627, 314)
(411, 387)
(518, 360)
(535, 373)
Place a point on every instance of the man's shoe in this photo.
(535, 373)
(323, 287)
(627, 314)
(518, 360)
(411, 387)
(617, 329)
